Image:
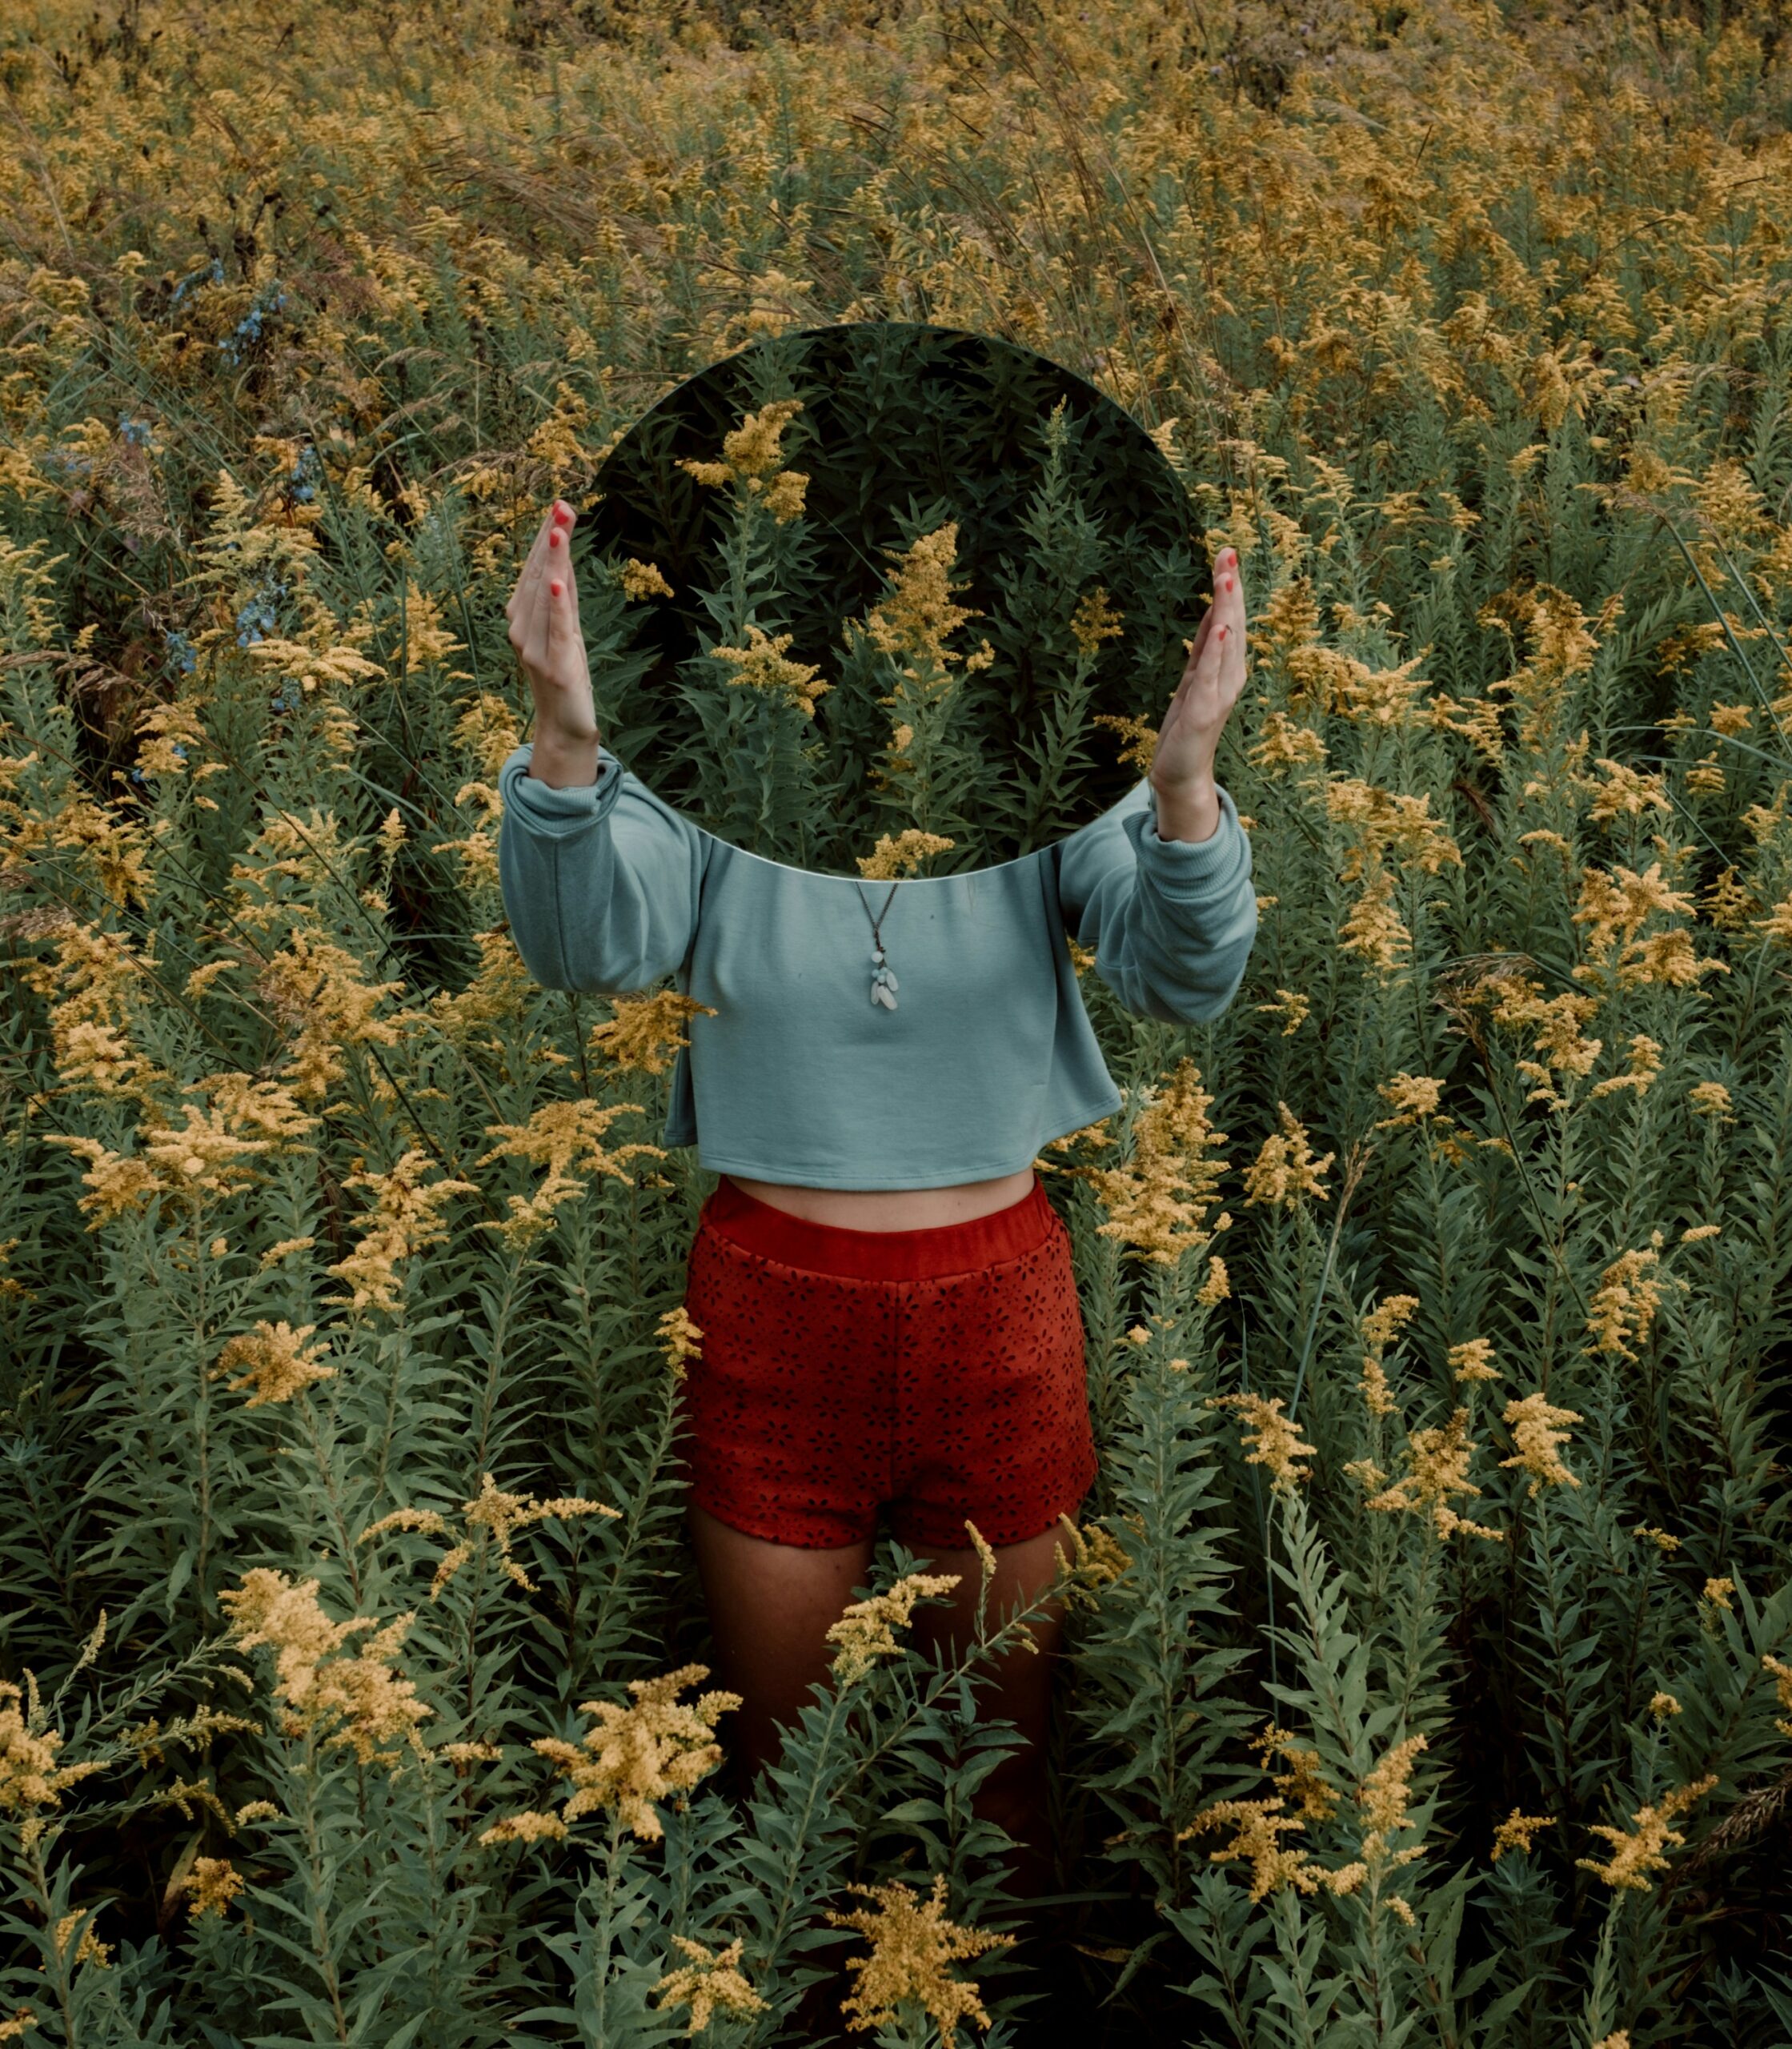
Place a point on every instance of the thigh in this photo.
(1022, 1686)
(769, 1608)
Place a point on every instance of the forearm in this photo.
(564, 760)
(1187, 811)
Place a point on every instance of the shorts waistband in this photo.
(835, 1249)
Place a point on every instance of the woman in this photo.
(888, 1313)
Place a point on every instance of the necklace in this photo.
(882, 983)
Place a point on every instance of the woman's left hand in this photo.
(1182, 778)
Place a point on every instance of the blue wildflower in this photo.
(212, 273)
(270, 300)
(134, 432)
(181, 652)
(302, 483)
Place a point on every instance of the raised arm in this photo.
(600, 879)
(1171, 921)
(1160, 886)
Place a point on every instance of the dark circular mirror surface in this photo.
(937, 468)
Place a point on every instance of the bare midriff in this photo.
(891, 1209)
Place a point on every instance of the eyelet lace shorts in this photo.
(937, 1372)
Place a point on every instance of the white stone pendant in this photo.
(884, 984)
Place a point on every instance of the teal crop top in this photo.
(800, 1077)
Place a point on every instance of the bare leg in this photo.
(770, 1606)
(1014, 1794)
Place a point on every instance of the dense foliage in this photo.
(1430, 1667)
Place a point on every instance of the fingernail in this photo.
(557, 587)
(553, 538)
(1222, 634)
(1229, 583)
(562, 510)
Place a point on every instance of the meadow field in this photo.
(1429, 1680)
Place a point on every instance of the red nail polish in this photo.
(557, 587)
(553, 538)
(1229, 583)
(1222, 633)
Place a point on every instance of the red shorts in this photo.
(939, 1373)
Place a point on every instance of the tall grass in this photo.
(1430, 1678)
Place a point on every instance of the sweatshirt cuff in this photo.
(556, 812)
(1188, 869)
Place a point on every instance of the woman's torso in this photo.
(891, 1209)
(887, 1119)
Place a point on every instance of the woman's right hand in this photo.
(544, 630)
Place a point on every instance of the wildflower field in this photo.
(1429, 1679)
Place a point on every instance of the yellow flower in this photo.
(1258, 1827)
(1536, 1427)
(1625, 793)
(645, 1032)
(1640, 1850)
(1783, 1681)
(1216, 1287)
(1374, 930)
(276, 1360)
(529, 1827)
(1159, 1202)
(1437, 1460)
(1626, 1302)
(90, 1949)
(1413, 1097)
(499, 1515)
(488, 731)
(1096, 1558)
(1473, 1361)
(866, 1630)
(405, 1220)
(314, 988)
(210, 1885)
(709, 1983)
(681, 1340)
(1643, 1066)
(1302, 1780)
(762, 664)
(658, 1747)
(1710, 1099)
(906, 852)
(1291, 1005)
(1272, 1439)
(916, 615)
(1282, 744)
(643, 580)
(502, 1515)
(354, 1699)
(1140, 740)
(1286, 1168)
(29, 1776)
(1515, 1832)
(561, 1137)
(913, 1946)
(1094, 621)
(1717, 1592)
(1661, 1705)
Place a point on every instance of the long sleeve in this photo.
(1171, 921)
(601, 883)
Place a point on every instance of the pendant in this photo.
(884, 984)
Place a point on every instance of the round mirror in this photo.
(887, 590)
